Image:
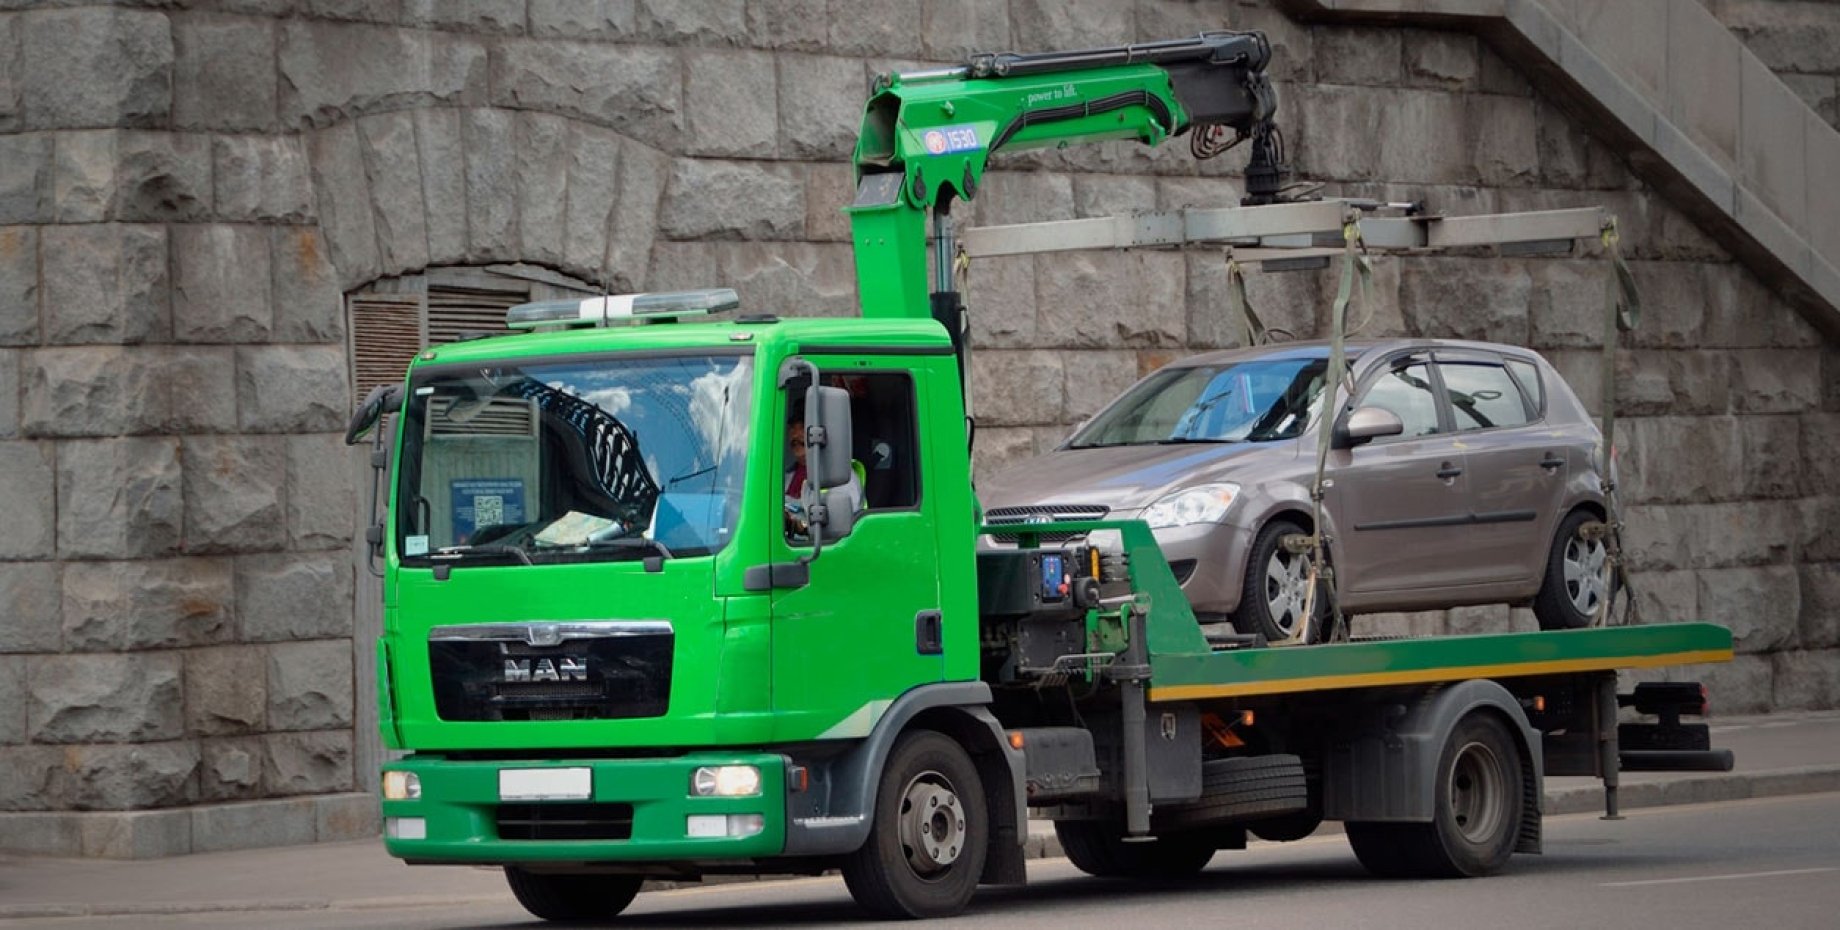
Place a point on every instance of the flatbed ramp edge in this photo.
(1246, 672)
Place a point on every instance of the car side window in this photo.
(1528, 375)
(1405, 389)
(1482, 396)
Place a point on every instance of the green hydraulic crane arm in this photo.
(926, 138)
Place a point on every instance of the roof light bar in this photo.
(618, 309)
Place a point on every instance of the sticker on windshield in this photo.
(948, 139)
(415, 545)
(483, 502)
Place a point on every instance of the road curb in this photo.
(1043, 844)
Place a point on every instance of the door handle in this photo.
(1552, 460)
(929, 633)
(1448, 471)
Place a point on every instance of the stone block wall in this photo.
(188, 188)
(1798, 39)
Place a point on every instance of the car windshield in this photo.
(577, 460)
(1253, 401)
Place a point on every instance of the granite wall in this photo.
(187, 189)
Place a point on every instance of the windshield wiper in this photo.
(1181, 440)
(631, 542)
(455, 552)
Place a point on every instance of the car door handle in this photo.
(929, 633)
(1552, 461)
(1448, 471)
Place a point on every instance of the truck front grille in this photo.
(551, 821)
(582, 671)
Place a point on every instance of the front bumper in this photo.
(459, 811)
(1217, 552)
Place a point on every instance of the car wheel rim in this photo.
(932, 824)
(1586, 577)
(1286, 587)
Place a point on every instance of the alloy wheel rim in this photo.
(1586, 575)
(1286, 589)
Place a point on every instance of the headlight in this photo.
(1207, 503)
(725, 781)
(402, 786)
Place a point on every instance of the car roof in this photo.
(1319, 348)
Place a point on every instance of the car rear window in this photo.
(1483, 396)
(1528, 374)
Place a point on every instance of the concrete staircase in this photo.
(1697, 116)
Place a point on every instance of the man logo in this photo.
(566, 668)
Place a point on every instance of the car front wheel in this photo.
(1277, 587)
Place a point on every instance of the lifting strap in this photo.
(1252, 331)
(1622, 311)
(1355, 268)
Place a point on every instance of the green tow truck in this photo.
(630, 634)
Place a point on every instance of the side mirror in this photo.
(828, 437)
(828, 441)
(384, 398)
(1368, 423)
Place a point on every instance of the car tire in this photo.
(1271, 602)
(1577, 580)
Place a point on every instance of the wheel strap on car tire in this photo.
(1622, 311)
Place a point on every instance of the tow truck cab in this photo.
(595, 553)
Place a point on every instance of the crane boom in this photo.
(927, 136)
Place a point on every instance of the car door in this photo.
(1400, 501)
(1517, 468)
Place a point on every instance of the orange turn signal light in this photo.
(1015, 739)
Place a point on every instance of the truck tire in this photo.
(1097, 848)
(1242, 788)
(929, 835)
(1476, 816)
(1271, 603)
(1287, 828)
(1577, 579)
(568, 898)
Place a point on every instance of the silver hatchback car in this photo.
(1460, 473)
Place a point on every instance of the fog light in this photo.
(734, 826)
(405, 828)
(725, 781)
(401, 786)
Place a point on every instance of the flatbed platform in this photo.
(1182, 675)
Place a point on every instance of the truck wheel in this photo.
(1577, 578)
(1096, 848)
(1289, 827)
(927, 844)
(1477, 813)
(572, 897)
(1277, 584)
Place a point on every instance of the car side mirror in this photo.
(1368, 423)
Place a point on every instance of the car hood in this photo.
(1124, 478)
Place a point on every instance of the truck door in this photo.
(1402, 500)
(864, 629)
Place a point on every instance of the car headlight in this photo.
(725, 781)
(1206, 503)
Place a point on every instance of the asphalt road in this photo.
(1771, 863)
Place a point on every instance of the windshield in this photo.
(1257, 401)
(573, 460)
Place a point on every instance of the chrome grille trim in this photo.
(546, 633)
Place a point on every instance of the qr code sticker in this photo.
(488, 510)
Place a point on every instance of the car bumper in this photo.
(1210, 561)
(457, 818)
